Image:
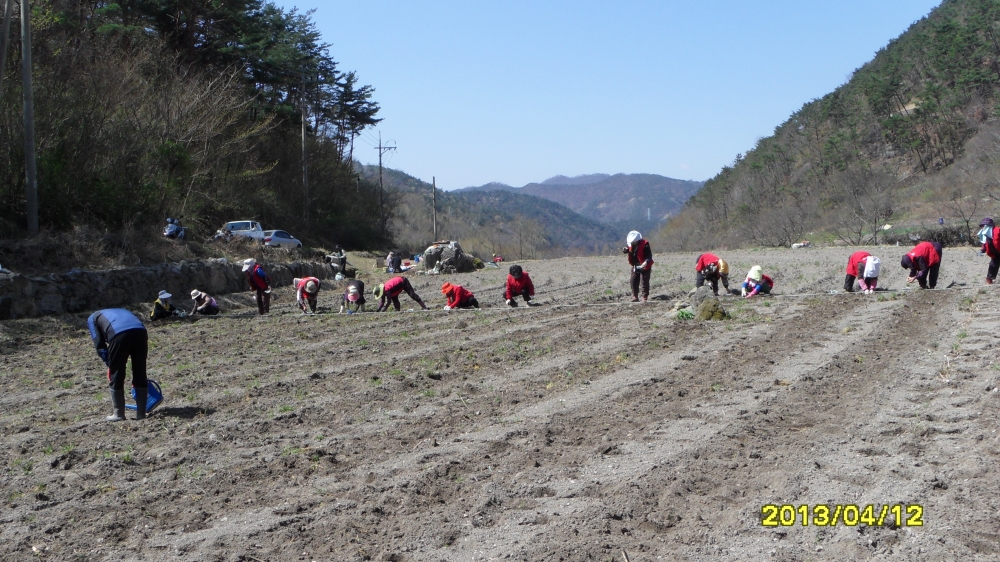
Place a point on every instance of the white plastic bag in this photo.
(872, 267)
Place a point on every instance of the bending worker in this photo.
(864, 268)
(989, 236)
(756, 282)
(353, 295)
(306, 292)
(711, 268)
(924, 263)
(259, 283)
(389, 292)
(162, 307)
(118, 335)
(640, 257)
(458, 297)
(518, 284)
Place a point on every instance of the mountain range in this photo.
(623, 200)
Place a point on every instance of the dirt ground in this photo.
(574, 430)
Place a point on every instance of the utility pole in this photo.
(5, 38)
(305, 163)
(434, 203)
(381, 187)
(31, 184)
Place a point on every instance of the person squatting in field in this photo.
(260, 283)
(204, 304)
(518, 284)
(306, 293)
(989, 237)
(713, 269)
(388, 293)
(864, 268)
(162, 307)
(924, 263)
(756, 282)
(118, 335)
(354, 295)
(640, 257)
(458, 297)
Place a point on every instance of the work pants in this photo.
(640, 275)
(263, 301)
(991, 273)
(712, 278)
(132, 344)
(408, 289)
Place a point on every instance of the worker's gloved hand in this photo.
(646, 265)
(625, 250)
(103, 354)
(509, 301)
(446, 307)
(743, 292)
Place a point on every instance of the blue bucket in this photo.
(154, 396)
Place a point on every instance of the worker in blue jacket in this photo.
(119, 335)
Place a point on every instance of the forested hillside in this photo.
(487, 222)
(890, 146)
(153, 108)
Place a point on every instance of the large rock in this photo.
(448, 257)
(706, 305)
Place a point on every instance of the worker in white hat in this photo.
(306, 293)
(260, 283)
(640, 257)
(162, 307)
(204, 303)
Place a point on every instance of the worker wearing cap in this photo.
(518, 284)
(756, 282)
(341, 257)
(458, 297)
(118, 336)
(640, 257)
(389, 292)
(162, 307)
(306, 293)
(924, 263)
(713, 269)
(260, 283)
(989, 237)
(354, 296)
(864, 268)
(203, 304)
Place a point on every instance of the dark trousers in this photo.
(408, 289)
(932, 276)
(849, 283)
(712, 278)
(524, 294)
(991, 273)
(208, 310)
(134, 344)
(470, 302)
(641, 276)
(263, 301)
(310, 302)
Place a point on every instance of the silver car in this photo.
(280, 239)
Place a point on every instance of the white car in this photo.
(280, 239)
(249, 229)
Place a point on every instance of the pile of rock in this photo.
(702, 303)
(447, 256)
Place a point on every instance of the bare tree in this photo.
(867, 197)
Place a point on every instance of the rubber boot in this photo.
(118, 402)
(141, 396)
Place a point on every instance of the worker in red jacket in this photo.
(713, 269)
(306, 293)
(924, 263)
(458, 297)
(864, 268)
(518, 284)
(260, 283)
(640, 257)
(388, 293)
(989, 236)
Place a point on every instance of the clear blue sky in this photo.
(517, 91)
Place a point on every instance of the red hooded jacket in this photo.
(640, 253)
(258, 278)
(394, 287)
(856, 264)
(704, 260)
(924, 256)
(516, 286)
(457, 295)
(995, 251)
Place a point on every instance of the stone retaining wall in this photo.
(23, 296)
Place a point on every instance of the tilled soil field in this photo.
(575, 430)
